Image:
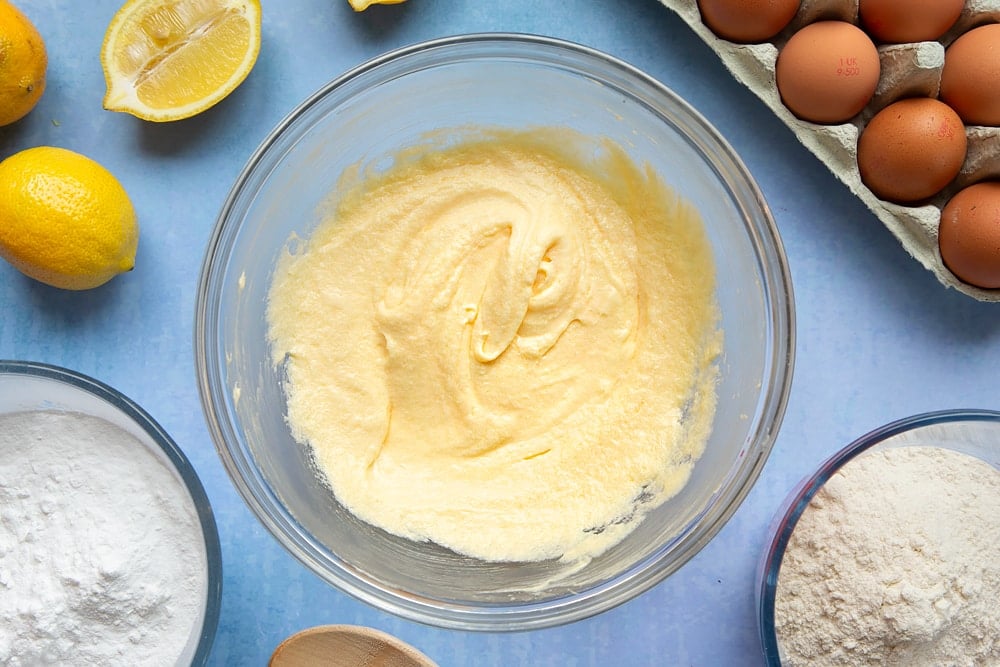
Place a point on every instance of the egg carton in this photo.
(907, 70)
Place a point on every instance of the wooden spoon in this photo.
(346, 646)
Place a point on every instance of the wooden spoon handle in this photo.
(346, 646)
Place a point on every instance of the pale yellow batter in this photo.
(503, 346)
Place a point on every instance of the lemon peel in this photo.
(65, 220)
(166, 60)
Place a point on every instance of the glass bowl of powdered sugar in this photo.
(109, 553)
(887, 553)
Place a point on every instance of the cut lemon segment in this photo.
(171, 59)
(362, 5)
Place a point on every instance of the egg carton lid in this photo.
(908, 70)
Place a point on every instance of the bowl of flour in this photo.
(109, 553)
(887, 554)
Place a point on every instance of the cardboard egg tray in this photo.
(907, 70)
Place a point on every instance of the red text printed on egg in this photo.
(849, 67)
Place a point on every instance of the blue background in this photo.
(879, 337)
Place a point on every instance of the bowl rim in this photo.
(180, 463)
(797, 501)
(776, 286)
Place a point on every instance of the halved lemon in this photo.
(171, 59)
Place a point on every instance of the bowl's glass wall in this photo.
(362, 119)
(29, 386)
(972, 432)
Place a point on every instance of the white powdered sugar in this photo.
(102, 559)
(896, 561)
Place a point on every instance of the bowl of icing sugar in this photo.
(109, 553)
(887, 553)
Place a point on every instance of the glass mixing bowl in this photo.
(972, 432)
(512, 81)
(27, 386)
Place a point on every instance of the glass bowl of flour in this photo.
(887, 553)
(109, 552)
(493, 435)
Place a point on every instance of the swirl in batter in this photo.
(505, 346)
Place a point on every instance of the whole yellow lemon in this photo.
(23, 62)
(64, 219)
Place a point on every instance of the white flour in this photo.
(101, 556)
(896, 561)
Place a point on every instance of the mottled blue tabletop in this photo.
(878, 337)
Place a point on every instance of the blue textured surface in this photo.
(879, 337)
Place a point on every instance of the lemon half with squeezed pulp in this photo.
(166, 60)
(65, 220)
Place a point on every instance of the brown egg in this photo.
(827, 72)
(970, 80)
(911, 149)
(969, 235)
(747, 20)
(899, 21)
